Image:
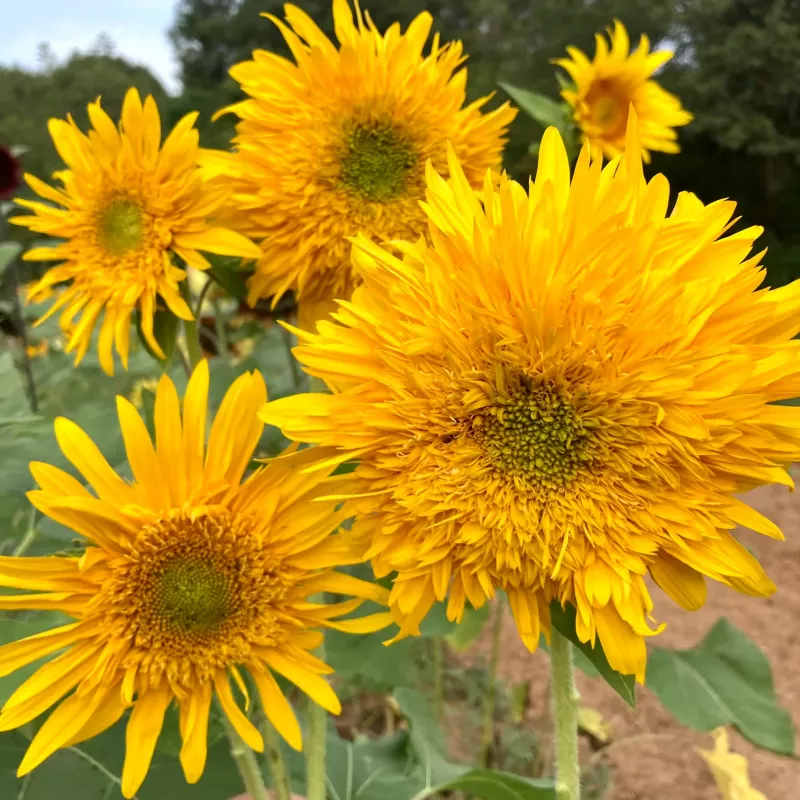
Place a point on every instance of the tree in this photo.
(736, 71)
(29, 99)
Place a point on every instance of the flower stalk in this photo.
(490, 698)
(565, 718)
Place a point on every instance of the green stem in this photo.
(247, 764)
(438, 677)
(277, 766)
(221, 330)
(315, 745)
(565, 718)
(298, 376)
(30, 535)
(191, 330)
(487, 736)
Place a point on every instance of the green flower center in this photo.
(120, 226)
(534, 434)
(377, 160)
(193, 597)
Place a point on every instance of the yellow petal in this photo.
(317, 688)
(277, 708)
(194, 732)
(219, 241)
(141, 736)
(243, 726)
(683, 584)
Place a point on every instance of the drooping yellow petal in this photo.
(194, 732)
(141, 736)
(278, 708)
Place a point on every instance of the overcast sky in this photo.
(138, 29)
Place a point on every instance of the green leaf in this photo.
(545, 111)
(440, 775)
(165, 331)
(8, 252)
(725, 679)
(370, 769)
(470, 627)
(426, 738)
(366, 661)
(227, 273)
(563, 620)
(495, 785)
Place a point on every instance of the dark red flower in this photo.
(10, 173)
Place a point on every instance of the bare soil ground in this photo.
(652, 756)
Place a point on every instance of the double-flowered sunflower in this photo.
(190, 575)
(562, 392)
(335, 143)
(604, 90)
(126, 202)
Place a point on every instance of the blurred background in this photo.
(736, 68)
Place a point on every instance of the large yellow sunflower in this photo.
(126, 202)
(563, 392)
(190, 574)
(607, 87)
(336, 143)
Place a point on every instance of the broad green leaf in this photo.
(8, 252)
(227, 273)
(725, 679)
(440, 775)
(426, 738)
(470, 627)
(545, 111)
(369, 769)
(563, 620)
(436, 622)
(165, 332)
(492, 784)
(367, 662)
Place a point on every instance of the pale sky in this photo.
(138, 29)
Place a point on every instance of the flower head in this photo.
(127, 201)
(561, 393)
(189, 575)
(335, 143)
(10, 173)
(607, 87)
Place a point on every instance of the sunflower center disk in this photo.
(535, 435)
(120, 226)
(376, 161)
(193, 597)
(609, 107)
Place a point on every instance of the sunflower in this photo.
(126, 202)
(607, 87)
(190, 574)
(560, 394)
(336, 142)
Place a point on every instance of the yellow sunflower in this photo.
(126, 202)
(336, 142)
(560, 394)
(190, 574)
(607, 87)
